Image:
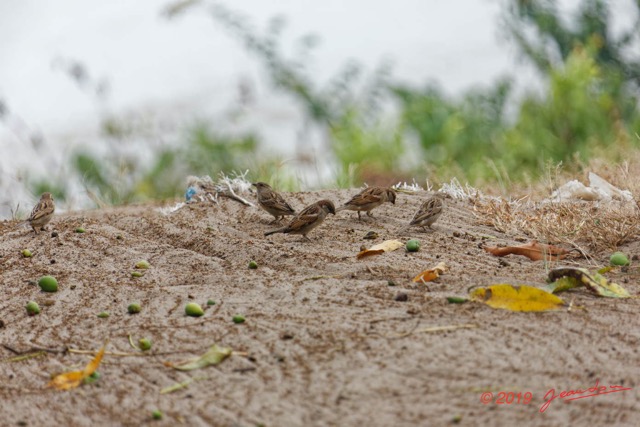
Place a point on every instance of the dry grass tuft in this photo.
(590, 227)
(587, 226)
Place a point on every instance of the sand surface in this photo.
(339, 350)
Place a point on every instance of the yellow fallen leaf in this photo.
(386, 246)
(516, 298)
(73, 379)
(431, 274)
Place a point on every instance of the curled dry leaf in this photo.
(73, 379)
(516, 298)
(386, 246)
(213, 356)
(596, 283)
(533, 250)
(432, 273)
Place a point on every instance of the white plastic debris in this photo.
(414, 187)
(608, 191)
(203, 188)
(599, 189)
(170, 209)
(457, 191)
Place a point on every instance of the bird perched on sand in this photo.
(368, 199)
(272, 202)
(41, 213)
(429, 211)
(308, 219)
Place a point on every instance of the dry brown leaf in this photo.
(533, 250)
(431, 274)
(386, 246)
(73, 379)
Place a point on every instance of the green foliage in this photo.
(57, 189)
(591, 106)
(457, 133)
(119, 179)
(205, 150)
(106, 176)
(347, 108)
(547, 40)
(577, 114)
(275, 172)
(376, 147)
(582, 111)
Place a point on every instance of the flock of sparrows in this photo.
(365, 201)
(302, 222)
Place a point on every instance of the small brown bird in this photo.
(272, 202)
(368, 199)
(429, 211)
(308, 219)
(41, 213)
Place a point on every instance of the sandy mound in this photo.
(336, 350)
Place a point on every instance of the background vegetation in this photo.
(381, 131)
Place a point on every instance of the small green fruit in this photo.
(103, 314)
(456, 300)
(413, 245)
(80, 230)
(133, 308)
(238, 318)
(33, 308)
(253, 265)
(95, 376)
(144, 343)
(619, 258)
(193, 309)
(48, 284)
(156, 415)
(211, 302)
(143, 264)
(137, 274)
(26, 253)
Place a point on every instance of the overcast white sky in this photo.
(191, 61)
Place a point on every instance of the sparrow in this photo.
(368, 199)
(272, 202)
(308, 219)
(41, 213)
(429, 211)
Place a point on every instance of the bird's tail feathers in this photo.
(21, 224)
(279, 230)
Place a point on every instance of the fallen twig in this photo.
(181, 385)
(23, 357)
(35, 349)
